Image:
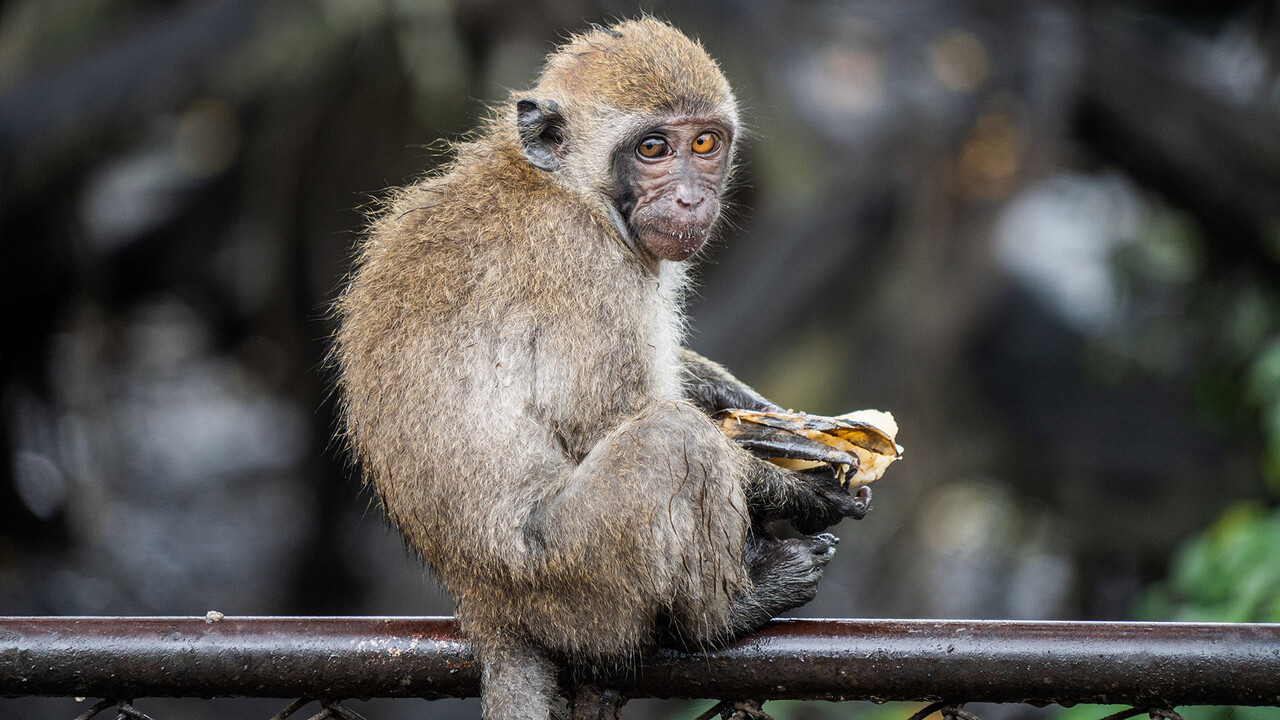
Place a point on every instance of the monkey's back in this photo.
(481, 331)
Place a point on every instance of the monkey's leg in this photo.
(518, 682)
(655, 522)
(652, 522)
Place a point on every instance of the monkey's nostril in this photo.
(688, 198)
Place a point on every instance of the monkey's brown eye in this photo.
(651, 147)
(706, 143)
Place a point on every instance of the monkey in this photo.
(515, 388)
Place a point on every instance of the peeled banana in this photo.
(859, 445)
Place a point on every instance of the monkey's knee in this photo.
(669, 445)
(673, 421)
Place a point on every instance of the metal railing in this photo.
(1153, 667)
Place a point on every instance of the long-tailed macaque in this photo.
(516, 391)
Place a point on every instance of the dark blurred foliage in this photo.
(1046, 235)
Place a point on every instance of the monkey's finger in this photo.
(771, 442)
(860, 503)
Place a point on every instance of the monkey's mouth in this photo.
(674, 245)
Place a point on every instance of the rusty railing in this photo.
(1152, 667)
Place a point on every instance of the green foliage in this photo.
(1263, 390)
(1095, 712)
(1229, 573)
(1229, 325)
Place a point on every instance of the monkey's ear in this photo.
(541, 128)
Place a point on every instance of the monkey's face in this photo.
(669, 184)
(640, 117)
(665, 179)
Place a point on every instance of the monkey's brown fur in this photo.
(512, 377)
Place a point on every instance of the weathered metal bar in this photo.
(1144, 664)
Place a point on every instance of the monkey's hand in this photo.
(859, 446)
(837, 501)
(812, 500)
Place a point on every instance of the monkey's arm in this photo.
(713, 388)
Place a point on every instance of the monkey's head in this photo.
(640, 119)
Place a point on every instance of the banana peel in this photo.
(859, 445)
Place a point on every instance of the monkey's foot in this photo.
(859, 446)
(786, 573)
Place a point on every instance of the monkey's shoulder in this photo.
(482, 202)
(493, 240)
(481, 218)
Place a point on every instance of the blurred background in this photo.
(1046, 235)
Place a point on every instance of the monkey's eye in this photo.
(654, 146)
(706, 143)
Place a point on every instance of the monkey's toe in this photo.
(827, 538)
(823, 545)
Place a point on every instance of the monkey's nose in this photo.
(688, 198)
